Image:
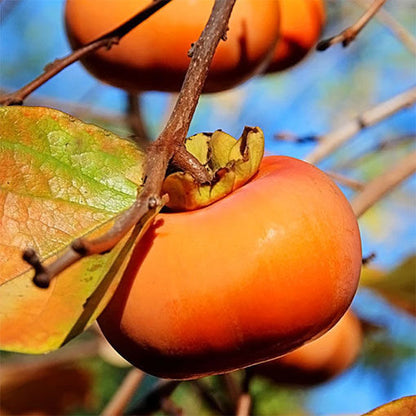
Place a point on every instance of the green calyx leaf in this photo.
(231, 163)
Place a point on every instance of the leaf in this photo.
(230, 162)
(406, 406)
(59, 179)
(398, 286)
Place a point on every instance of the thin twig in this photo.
(76, 109)
(207, 397)
(404, 36)
(105, 41)
(169, 407)
(351, 32)
(344, 180)
(244, 402)
(331, 141)
(135, 120)
(159, 153)
(125, 392)
(154, 399)
(380, 186)
(232, 388)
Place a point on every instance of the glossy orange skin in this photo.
(301, 23)
(321, 359)
(244, 280)
(154, 55)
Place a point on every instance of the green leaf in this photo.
(230, 162)
(59, 179)
(398, 286)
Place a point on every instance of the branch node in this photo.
(323, 45)
(79, 246)
(191, 50)
(224, 35)
(42, 278)
(153, 202)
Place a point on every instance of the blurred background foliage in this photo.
(323, 92)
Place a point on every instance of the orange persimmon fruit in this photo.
(301, 23)
(249, 278)
(320, 360)
(154, 55)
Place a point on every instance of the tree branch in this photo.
(125, 392)
(244, 402)
(135, 120)
(404, 36)
(159, 153)
(380, 186)
(105, 41)
(351, 32)
(333, 140)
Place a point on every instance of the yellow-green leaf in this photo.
(230, 162)
(406, 406)
(59, 179)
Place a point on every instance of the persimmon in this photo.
(154, 55)
(301, 23)
(321, 359)
(251, 277)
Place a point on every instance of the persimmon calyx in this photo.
(230, 162)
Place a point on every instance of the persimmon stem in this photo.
(105, 41)
(189, 163)
(333, 140)
(351, 32)
(161, 151)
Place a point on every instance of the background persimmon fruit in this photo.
(248, 278)
(153, 56)
(301, 23)
(321, 359)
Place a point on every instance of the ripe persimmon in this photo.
(251, 277)
(301, 23)
(321, 359)
(153, 56)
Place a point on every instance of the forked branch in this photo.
(105, 41)
(351, 32)
(159, 153)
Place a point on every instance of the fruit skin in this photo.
(244, 280)
(153, 56)
(301, 23)
(321, 359)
